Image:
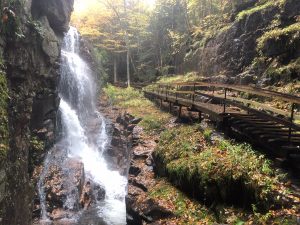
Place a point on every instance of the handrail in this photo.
(252, 90)
(232, 101)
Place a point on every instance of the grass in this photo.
(186, 154)
(195, 165)
(189, 77)
(135, 103)
(186, 211)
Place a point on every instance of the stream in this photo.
(84, 139)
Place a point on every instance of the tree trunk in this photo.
(128, 67)
(115, 69)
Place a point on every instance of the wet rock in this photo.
(138, 184)
(133, 170)
(128, 118)
(116, 141)
(130, 127)
(136, 121)
(100, 192)
(59, 182)
(58, 214)
(154, 211)
(86, 195)
(149, 161)
(132, 217)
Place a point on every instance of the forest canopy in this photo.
(141, 40)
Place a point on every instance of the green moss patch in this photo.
(260, 6)
(290, 33)
(4, 133)
(186, 211)
(221, 172)
(284, 73)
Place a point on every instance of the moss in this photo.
(292, 32)
(257, 8)
(284, 73)
(36, 148)
(188, 159)
(207, 133)
(4, 133)
(187, 211)
(209, 28)
(189, 77)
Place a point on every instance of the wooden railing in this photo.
(194, 90)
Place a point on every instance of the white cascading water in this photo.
(77, 107)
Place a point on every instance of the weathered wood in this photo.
(243, 88)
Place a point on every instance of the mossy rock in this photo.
(4, 132)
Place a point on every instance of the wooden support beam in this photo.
(225, 98)
(179, 111)
(200, 116)
(291, 120)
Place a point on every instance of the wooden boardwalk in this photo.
(261, 123)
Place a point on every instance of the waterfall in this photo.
(78, 96)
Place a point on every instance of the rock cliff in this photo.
(259, 45)
(31, 33)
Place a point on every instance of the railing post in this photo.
(166, 92)
(225, 97)
(200, 116)
(291, 119)
(179, 112)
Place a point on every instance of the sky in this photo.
(82, 5)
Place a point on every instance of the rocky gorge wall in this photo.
(30, 43)
(260, 45)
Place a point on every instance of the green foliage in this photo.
(188, 77)
(152, 123)
(259, 7)
(134, 102)
(207, 29)
(36, 144)
(128, 97)
(36, 26)
(284, 73)
(188, 159)
(292, 32)
(36, 148)
(207, 134)
(186, 210)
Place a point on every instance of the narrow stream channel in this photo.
(78, 113)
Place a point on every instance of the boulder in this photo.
(58, 12)
(63, 187)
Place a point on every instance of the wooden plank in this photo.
(260, 114)
(243, 88)
(266, 135)
(262, 106)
